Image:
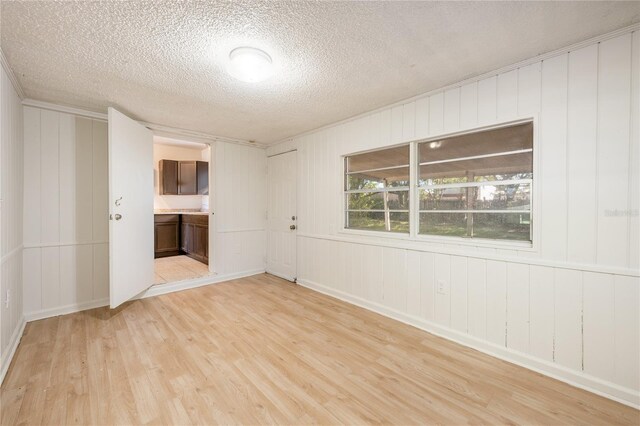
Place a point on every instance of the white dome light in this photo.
(250, 64)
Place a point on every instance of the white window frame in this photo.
(346, 192)
(414, 214)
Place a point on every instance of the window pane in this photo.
(499, 226)
(476, 178)
(485, 197)
(505, 139)
(391, 157)
(502, 226)
(375, 221)
(516, 164)
(449, 224)
(397, 200)
(379, 179)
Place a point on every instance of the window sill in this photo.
(454, 241)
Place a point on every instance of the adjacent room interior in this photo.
(180, 210)
(302, 212)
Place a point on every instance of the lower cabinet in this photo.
(177, 234)
(166, 235)
(194, 240)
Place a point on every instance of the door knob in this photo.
(118, 216)
(292, 227)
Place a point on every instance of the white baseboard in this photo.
(196, 282)
(575, 378)
(66, 309)
(153, 291)
(5, 362)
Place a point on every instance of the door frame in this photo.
(212, 200)
(297, 205)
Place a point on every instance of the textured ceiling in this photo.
(163, 62)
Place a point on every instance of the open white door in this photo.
(282, 216)
(130, 208)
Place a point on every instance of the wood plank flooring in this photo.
(262, 350)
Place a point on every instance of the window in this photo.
(478, 185)
(377, 190)
(474, 185)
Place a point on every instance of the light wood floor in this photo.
(178, 268)
(262, 350)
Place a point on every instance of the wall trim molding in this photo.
(542, 57)
(192, 135)
(64, 244)
(196, 282)
(580, 380)
(422, 246)
(157, 129)
(64, 109)
(11, 253)
(11, 349)
(12, 76)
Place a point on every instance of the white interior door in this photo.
(282, 216)
(130, 208)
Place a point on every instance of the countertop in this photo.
(193, 212)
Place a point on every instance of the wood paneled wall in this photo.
(11, 251)
(240, 208)
(66, 262)
(66, 228)
(568, 308)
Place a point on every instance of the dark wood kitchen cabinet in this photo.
(202, 173)
(187, 178)
(166, 235)
(168, 177)
(183, 177)
(194, 240)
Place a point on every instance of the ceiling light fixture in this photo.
(250, 64)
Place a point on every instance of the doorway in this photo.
(181, 210)
(282, 221)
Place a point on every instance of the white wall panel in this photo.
(528, 97)
(11, 217)
(634, 157)
(487, 101)
(496, 299)
(49, 177)
(507, 97)
(452, 110)
(627, 331)
(436, 114)
(614, 100)
(568, 318)
(459, 296)
(409, 121)
(518, 307)
(422, 118)
(394, 273)
(427, 286)
(477, 283)
(469, 105)
(541, 312)
(553, 158)
(442, 273)
(413, 282)
(598, 324)
(581, 154)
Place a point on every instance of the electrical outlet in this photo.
(441, 287)
(6, 299)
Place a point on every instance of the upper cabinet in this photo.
(168, 175)
(184, 177)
